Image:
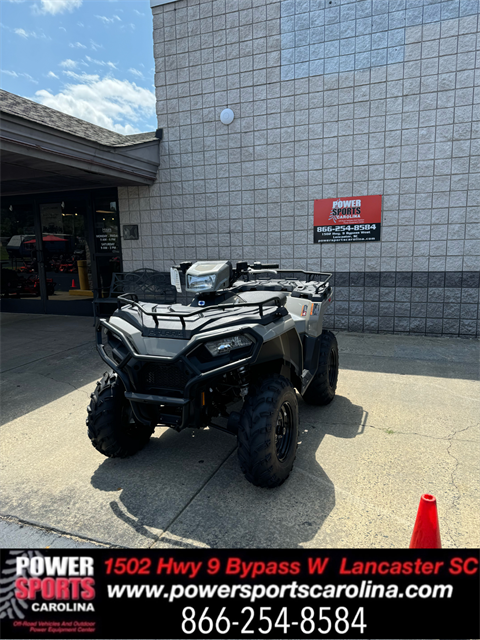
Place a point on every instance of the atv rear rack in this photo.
(309, 276)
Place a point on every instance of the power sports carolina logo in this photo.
(10, 607)
(46, 584)
(343, 209)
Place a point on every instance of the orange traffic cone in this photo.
(426, 532)
(73, 284)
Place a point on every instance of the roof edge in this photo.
(19, 107)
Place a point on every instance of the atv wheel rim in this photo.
(284, 431)
(332, 368)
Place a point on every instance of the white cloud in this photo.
(106, 20)
(29, 34)
(14, 74)
(118, 105)
(83, 77)
(68, 64)
(139, 13)
(58, 6)
(50, 74)
(136, 72)
(77, 45)
(102, 63)
(95, 46)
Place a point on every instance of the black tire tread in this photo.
(319, 391)
(254, 436)
(104, 421)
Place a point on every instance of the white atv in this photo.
(233, 359)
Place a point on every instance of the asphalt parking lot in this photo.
(404, 422)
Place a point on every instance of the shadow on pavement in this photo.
(438, 357)
(32, 386)
(227, 510)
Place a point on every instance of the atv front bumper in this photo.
(180, 408)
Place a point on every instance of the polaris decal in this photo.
(355, 219)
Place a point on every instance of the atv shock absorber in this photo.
(243, 379)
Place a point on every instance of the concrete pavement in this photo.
(404, 422)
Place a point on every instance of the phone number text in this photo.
(264, 620)
(347, 227)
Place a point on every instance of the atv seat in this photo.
(147, 284)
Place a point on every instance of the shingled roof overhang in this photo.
(44, 150)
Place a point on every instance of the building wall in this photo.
(331, 99)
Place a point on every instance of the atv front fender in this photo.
(287, 348)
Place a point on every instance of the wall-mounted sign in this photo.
(354, 219)
(130, 232)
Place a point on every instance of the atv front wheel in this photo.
(321, 389)
(111, 424)
(268, 432)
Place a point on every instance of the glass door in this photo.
(66, 257)
(20, 260)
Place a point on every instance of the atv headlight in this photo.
(201, 283)
(219, 347)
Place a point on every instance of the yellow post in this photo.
(84, 290)
(83, 274)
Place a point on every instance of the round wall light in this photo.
(227, 116)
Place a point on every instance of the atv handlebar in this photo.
(261, 265)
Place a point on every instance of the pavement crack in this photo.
(44, 357)
(67, 383)
(10, 519)
(421, 435)
(384, 430)
(185, 507)
(456, 499)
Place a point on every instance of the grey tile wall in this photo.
(408, 129)
(439, 303)
(322, 37)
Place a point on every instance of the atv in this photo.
(233, 359)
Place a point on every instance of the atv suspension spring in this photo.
(243, 379)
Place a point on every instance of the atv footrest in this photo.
(150, 399)
(306, 378)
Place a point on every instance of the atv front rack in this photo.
(278, 300)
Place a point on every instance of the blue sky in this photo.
(92, 59)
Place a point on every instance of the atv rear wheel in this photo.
(321, 389)
(111, 424)
(268, 432)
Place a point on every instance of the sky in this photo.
(92, 59)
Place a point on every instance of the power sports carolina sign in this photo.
(347, 220)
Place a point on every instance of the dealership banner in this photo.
(258, 593)
(355, 219)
